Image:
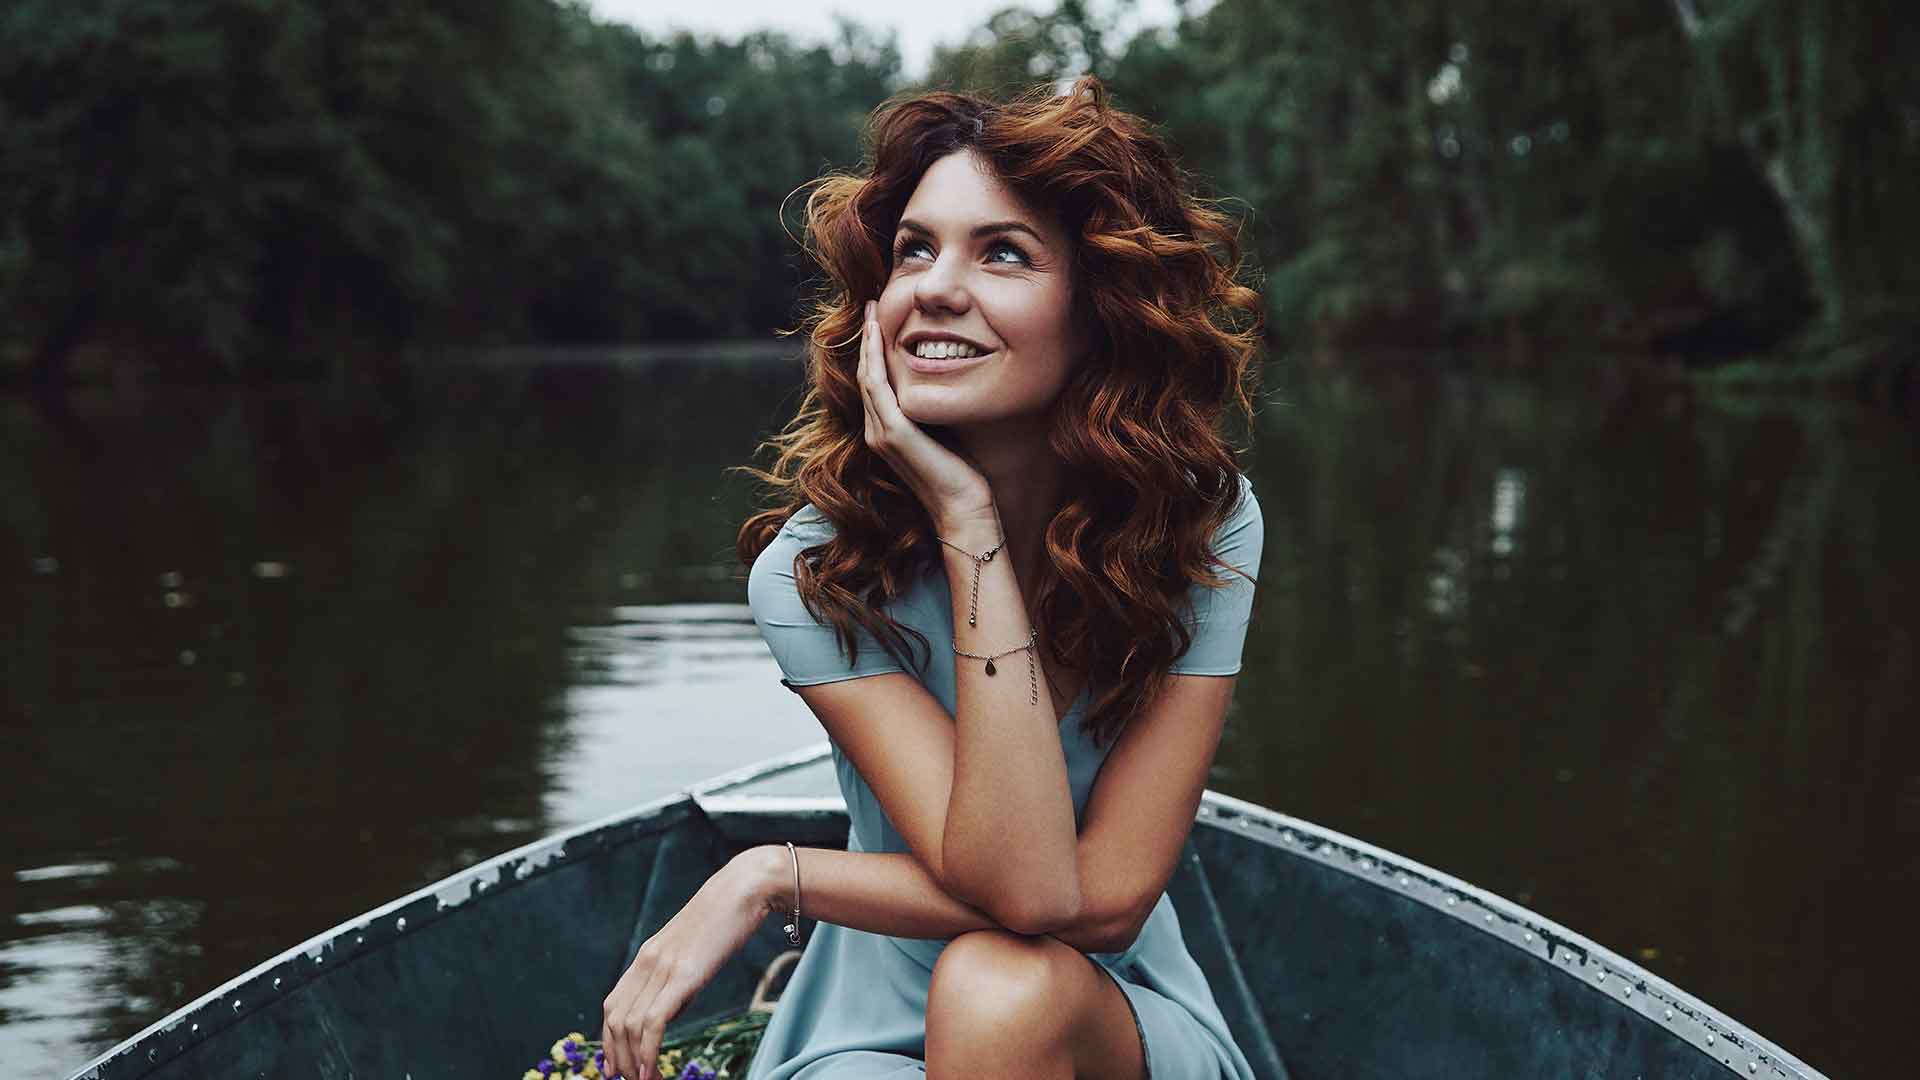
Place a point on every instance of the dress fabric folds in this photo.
(855, 1005)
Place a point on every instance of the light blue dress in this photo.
(855, 1005)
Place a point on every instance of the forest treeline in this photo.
(269, 186)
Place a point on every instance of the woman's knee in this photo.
(996, 977)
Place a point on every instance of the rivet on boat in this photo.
(236, 1004)
(1286, 836)
(359, 939)
(1602, 976)
(1669, 1014)
(1528, 936)
(1753, 1066)
(1453, 901)
(400, 923)
(1709, 1038)
(1489, 918)
(1366, 864)
(194, 1028)
(1404, 881)
(276, 982)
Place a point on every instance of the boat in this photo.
(1329, 957)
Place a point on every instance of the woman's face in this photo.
(970, 262)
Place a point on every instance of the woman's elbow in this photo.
(1028, 914)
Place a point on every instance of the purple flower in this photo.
(545, 1066)
(696, 1071)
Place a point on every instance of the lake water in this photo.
(274, 656)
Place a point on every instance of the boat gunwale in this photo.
(454, 890)
(1652, 997)
(377, 927)
(1705, 1028)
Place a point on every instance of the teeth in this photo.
(940, 350)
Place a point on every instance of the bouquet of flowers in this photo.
(716, 1052)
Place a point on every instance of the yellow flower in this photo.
(558, 1053)
(591, 1072)
(532, 1074)
(576, 1036)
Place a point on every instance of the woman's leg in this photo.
(1002, 1004)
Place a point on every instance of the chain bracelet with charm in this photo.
(1033, 673)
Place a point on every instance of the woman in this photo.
(1010, 572)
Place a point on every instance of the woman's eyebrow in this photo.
(991, 228)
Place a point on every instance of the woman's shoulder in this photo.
(1249, 502)
(803, 528)
(772, 571)
(1245, 518)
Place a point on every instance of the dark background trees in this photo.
(269, 186)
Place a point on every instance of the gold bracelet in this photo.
(1033, 674)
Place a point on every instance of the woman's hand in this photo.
(950, 488)
(675, 963)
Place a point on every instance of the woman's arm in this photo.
(1009, 828)
(887, 893)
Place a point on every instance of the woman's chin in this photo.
(940, 406)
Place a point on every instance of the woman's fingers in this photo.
(886, 406)
(873, 374)
(860, 375)
(663, 1004)
(627, 1017)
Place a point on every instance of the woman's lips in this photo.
(929, 366)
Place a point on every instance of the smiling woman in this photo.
(1012, 410)
(991, 299)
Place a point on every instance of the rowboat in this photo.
(1329, 957)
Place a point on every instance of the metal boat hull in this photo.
(1327, 954)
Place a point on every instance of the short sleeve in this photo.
(808, 651)
(1220, 614)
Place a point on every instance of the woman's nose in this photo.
(943, 286)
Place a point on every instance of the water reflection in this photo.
(663, 696)
(275, 657)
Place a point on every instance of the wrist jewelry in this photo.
(1033, 675)
(793, 928)
(973, 607)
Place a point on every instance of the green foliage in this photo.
(250, 186)
(259, 185)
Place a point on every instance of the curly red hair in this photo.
(1173, 336)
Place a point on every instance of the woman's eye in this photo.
(909, 246)
(1004, 246)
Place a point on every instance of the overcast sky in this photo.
(920, 26)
